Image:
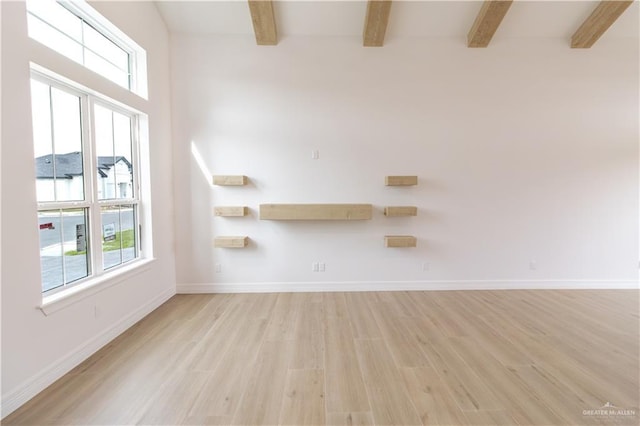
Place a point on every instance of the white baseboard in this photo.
(36, 384)
(276, 287)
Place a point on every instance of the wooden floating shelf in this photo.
(395, 241)
(228, 211)
(396, 211)
(230, 180)
(231, 242)
(316, 211)
(400, 180)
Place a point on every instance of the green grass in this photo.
(74, 252)
(127, 237)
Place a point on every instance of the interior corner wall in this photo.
(526, 154)
(38, 349)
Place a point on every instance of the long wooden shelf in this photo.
(230, 180)
(316, 211)
(400, 180)
(228, 211)
(231, 242)
(397, 211)
(400, 241)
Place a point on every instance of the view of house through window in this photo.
(87, 204)
(113, 140)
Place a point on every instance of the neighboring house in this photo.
(114, 177)
(114, 182)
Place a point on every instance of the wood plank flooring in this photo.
(542, 357)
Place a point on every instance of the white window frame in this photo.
(90, 182)
(137, 55)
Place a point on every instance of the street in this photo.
(62, 238)
(49, 237)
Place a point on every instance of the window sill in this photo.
(66, 298)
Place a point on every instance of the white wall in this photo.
(525, 151)
(36, 349)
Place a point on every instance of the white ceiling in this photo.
(408, 18)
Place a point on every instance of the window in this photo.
(76, 31)
(86, 183)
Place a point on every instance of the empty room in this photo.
(317, 212)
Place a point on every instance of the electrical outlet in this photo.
(218, 268)
(425, 266)
(321, 267)
(315, 154)
(96, 311)
(315, 267)
(533, 265)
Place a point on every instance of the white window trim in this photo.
(74, 294)
(66, 295)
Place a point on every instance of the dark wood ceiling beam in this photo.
(602, 17)
(487, 22)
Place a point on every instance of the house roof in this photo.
(105, 163)
(70, 165)
(67, 166)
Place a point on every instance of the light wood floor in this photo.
(402, 358)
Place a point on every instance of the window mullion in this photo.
(63, 205)
(96, 221)
(84, 61)
(87, 168)
(64, 263)
(117, 202)
(53, 146)
(135, 161)
(113, 150)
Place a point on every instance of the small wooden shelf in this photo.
(395, 241)
(400, 180)
(229, 211)
(231, 242)
(230, 180)
(316, 211)
(397, 211)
